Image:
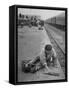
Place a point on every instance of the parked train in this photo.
(57, 21)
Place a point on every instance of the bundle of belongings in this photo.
(28, 67)
(44, 60)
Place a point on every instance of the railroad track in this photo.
(59, 51)
(56, 42)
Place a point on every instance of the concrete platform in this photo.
(30, 43)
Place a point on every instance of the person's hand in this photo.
(46, 70)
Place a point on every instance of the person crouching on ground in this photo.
(47, 58)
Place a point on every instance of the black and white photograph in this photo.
(41, 44)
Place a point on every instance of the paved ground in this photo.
(30, 43)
